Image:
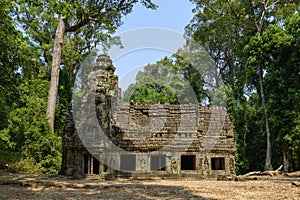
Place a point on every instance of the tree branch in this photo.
(79, 25)
(274, 3)
(88, 19)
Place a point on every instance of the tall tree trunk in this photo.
(56, 60)
(268, 165)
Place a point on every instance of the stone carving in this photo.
(206, 164)
(200, 163)
(174, 165)
(143, 164)
(231, 165)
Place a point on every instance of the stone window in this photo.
(128, 163)
(158, 162)
(90, 164)
(188, 162)
(218, 163)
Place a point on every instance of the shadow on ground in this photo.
(44, 187)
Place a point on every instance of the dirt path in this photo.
(28, 186)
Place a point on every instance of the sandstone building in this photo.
(153, 139)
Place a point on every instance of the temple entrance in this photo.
(91, 164)
(96, 165)
(86, 163)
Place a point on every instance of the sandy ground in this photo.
(29, 186)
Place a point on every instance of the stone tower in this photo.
(105, 95)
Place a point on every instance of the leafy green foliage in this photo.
(170, 80)
(28, 131)
(240, 36)
(282, 82)
(87, 24)
(26, 142)
(10, 39)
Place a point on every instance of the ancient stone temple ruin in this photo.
(104, 136)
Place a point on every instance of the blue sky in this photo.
(172, 15)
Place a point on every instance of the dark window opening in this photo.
(86, 163)
(218, 163)
(128, 163)
(158, 162)
(188, 162)
(96, 165)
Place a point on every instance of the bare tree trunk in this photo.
(56, 60)
(268, 165)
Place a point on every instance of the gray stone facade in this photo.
(153, 139)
